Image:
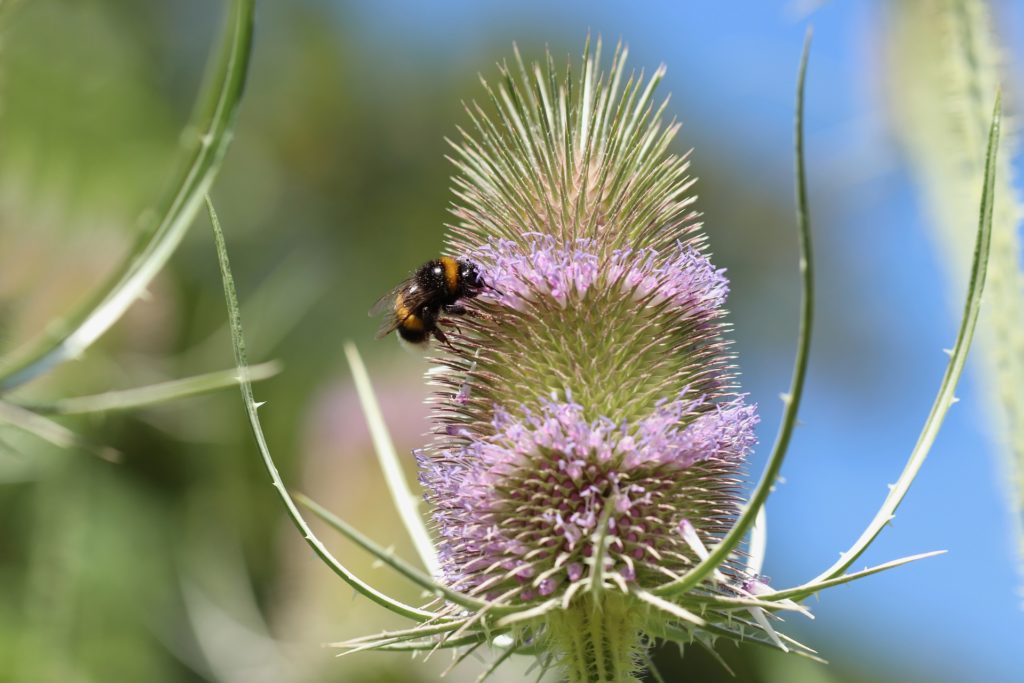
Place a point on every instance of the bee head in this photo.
(469, 276)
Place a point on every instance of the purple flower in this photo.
(520, 272)
(518, 509)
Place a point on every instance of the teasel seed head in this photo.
(590, 431)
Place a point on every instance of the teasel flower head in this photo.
(587, 473)
(591, 431)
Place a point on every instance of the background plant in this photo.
(26, 423)
(936, 92)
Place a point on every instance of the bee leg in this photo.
(442, 337)
(459, 309)
(455, 309)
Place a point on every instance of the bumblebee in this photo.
(416, 304)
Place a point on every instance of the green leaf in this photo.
(812, 587)
(387, 556)
(140, 397)
(46, 429)
(701, 603)
(723, 549)
(757, 547)
(68, 338)
(667, 608)
(405, 500)
(945, 398)
(425, 645)
(421, 631)
(734, 632)
(652, 670)
(238, 343)
(496, 664)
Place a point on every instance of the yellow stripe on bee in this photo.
(451, 273)
(406, 318)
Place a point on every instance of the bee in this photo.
(416, 304)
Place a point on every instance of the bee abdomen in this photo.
(407, 319)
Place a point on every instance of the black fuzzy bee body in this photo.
(416, 304)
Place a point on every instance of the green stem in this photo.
(598, 639)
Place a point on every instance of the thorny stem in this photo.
(598, 639)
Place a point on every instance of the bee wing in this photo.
(413, 298)
(386, 303)
(389, 325)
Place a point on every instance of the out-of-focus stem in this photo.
(944, 66)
